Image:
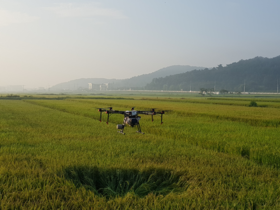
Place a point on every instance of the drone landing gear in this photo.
(121, 131)
(139, 129)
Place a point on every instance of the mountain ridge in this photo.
(135, 82)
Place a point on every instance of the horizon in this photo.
(49, 42)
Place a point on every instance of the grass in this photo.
(55, 154)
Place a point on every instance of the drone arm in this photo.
(117, 112)
(146, 112)
(112, 112)
(152, 113)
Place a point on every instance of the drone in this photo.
(131, 118)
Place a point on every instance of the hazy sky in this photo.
(45, 42)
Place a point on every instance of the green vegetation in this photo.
(259, 75)
(210, 153)
(253, 104)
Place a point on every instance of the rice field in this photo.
(210, 153)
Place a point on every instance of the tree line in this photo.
(253, 75)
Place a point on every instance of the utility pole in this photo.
(244, 86)
(277, 85)
(191, 86)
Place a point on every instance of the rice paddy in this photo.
(210, 153)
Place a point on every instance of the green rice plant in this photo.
(211, 134)
(253, 104)
(114, 182)
(56, 154)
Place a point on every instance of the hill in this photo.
(134, 82)
(258, 74)
(142, 80)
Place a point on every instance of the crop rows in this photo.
(56, 154)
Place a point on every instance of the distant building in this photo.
(103, 86)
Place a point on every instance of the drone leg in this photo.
(107, 119)
(139, 128)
